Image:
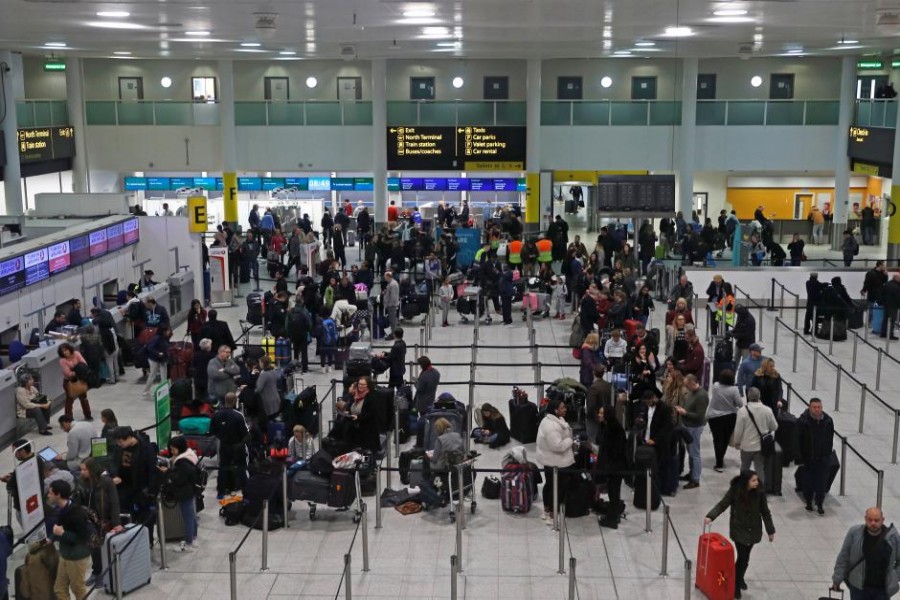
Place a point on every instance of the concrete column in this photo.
(229, 139)
(535, 205)
(687, 136)
(75, 101)
(841, 202)
(379, 138)
(889, 210)
(13, 82)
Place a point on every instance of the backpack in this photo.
(516, 489)
(235, 244)
(329, 333)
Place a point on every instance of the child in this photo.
(558, 296)
(300, 447)
(446, 297)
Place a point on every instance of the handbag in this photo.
(77, 388)
(767, 441)
(490, 489)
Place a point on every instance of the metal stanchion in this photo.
(664, 564)
(878, 370)
(896, 436)
(890, 334)
(232, 574)
(843, 465)
(333, 399)
(422, 337)
(880, 489)
(794, 369)
(761, 320)
(797, 313)
(687, 579)
(814, 369)
(453, 571)
(265, 537)
(831, 337)
(364, 525)
(161, 526)
(837, 388)
(862, 406)
(562, 540)
(284, 496)
(555, 498)
(378, 494)
(775, 338)
(780, 308)
(649, 526)
(117, 572)
(459, 546)
(814, 324)
(572, 563)
(855, 344)
(348, 577)
(460, 489)
(471, 392)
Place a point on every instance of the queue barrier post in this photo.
(378, 493)
(775, 337)
(562, 540)
(572, 590)
(896, 436)
(878, 368)
(837, 388)
(348, 577)
(265, 537)
(687, 578)
(880, 492)
(232, 574)
(664, 564)
(843, 465)
(555, 498)
(862, 406)
(453, 580)
(649, 525)
(161, 527)
(815, 368)
(855, 345)
(364, 524)
(794, 368)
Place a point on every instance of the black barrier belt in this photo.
(25, 536)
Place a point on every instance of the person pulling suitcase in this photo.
(815, 449)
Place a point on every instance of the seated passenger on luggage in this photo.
(448, 447)
(835, 302)
(31, 404)
(357, 423)
(614, 350)
(300, 446)
(493, 429)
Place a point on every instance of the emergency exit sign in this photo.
(54, 65)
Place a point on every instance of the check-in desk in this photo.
(45, 361)
(8, 401)
(181, 292)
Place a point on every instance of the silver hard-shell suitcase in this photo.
(135, 559)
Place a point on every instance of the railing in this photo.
(456, 112)
(42, 113)
(611, 112)
(303, 113)
(150, 112)
(346, 581)
(876, 113)
(767, 112)
(780, 308)
(756, 304)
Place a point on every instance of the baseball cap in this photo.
(755, 348)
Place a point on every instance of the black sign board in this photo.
(491, 148)
(873, 145)
(621, 194)
(41, 144)
(422, 149)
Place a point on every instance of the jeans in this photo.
(817, 233)
(70, 575)
(478, 434)
(742, 562)
(189, 515)
(326, 356)
(756, 459)
(614, 489)
(694, 452)
(868, 232)
(867, 594)
(156, 368)
(301, 353)
(112, 364)
(507, 309)
(41, 417)
(815, 479)
(445, 312)
(722, 428)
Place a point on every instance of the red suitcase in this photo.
(715, 566)
(181, 356)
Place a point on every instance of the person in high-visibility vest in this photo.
(481, 254)
(545, 250)
(514, 252)
(726, 307)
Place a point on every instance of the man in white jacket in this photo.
(747, 435)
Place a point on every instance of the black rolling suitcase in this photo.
(644, 457)
(834, 465)
(774, 467)
(254, 308)
(788, 437)
(523, 422)
(309, 487)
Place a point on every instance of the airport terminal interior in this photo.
(138, 139)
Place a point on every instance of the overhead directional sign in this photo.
(466, 147)
(46, 143)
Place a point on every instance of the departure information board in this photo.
(36, 266)
(130, 231)
(98, 243)
(469, 147)
(79, 250)
(646, 194)
(114, 237)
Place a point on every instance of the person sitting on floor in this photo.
(493, 429)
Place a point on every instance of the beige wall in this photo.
(814, 78)
(473, 73)
(101, 77)
(40, 85)
(621, 70)
(249, 77)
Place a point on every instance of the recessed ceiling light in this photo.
(730, 20)
(250, 44)
(795, 51)
(198, 33)
(114, 14)
(435, 31)
(606, 81)
(418, 13)
(56, 44)
(644, 44)
(288, 52)
(418, 21)
(849, 42)
(116, 25)
(122, 53)
(458, 82)
(448, 44)
(846, 47)
(311, 82)
(756, 81)
(731, 12)
(678, 31)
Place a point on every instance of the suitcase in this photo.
(181, 357)
(834, 465)
(580, 497)
(856, 317)
(342, 491)
(523, 421)
(773, 466)
(268, 345)
(416, 472)
(135, 560)
(877, 319)
(788, 436)
(707, 374)
(715, 566)
(309, 487)
(823, 332)
(570, 207)
(351, 238)
(516, 489)
(282, 351)
(254, 308)
(203, 445)
(644, 457)
(174, 523)
(360, 351)
(406, 459)
(198, 426)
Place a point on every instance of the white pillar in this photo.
(687, 136)
(379, 138)
(226, 115)
(847, 96)
(13, 82)
(75, 102)
(533, 116)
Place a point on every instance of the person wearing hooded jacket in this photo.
(180, 486)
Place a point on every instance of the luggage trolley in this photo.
(450, 489)
(341, 490)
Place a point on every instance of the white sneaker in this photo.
(182, 547)
(195, 545)
(548, 518)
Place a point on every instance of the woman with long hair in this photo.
(768, 381)
(588, 359)
(494, 430)
(749, 512)
(195, 321)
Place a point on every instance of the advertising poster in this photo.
(28, 484)
(219, 284)
(163, 407)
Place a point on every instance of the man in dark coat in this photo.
(816, 443)
(217, 331)
(890, 297)
(873, 283)
(230, 427)
(814, 289)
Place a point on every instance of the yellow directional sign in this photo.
(197, 214)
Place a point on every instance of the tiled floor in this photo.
(515, 557)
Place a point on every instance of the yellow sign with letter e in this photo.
(198, 221)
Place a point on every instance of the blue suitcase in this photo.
(282, 351)
(877, 319)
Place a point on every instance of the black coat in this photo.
(589, 314)
(397, 360)
(180, 479)
(612, 447)
(873, 285)
(890, 297)
(219, 333)
(499, 427)
(816, 437)
(660, 428)
(744, 331)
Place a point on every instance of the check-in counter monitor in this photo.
(45, 360)
(8, 402)
(181, 291)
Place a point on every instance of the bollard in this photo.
(453, 569)
(161, 526)
(831, 338)
(896, 435)
(687, 579)
(649, 526)
(880, 488)
(265, 536)
(378, 494)
(555, 498)
(795, 353)
(364, 524)
(572, 563)
(862, 406)
(117, 571)
(562, 540)
(232, 574)
(878, 370)
(837, 388)
(814, 369)
(348, 577)
(284, 496)
(664, 565)
(775, 337)
(843, 462)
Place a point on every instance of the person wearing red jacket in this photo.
(693, 362)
